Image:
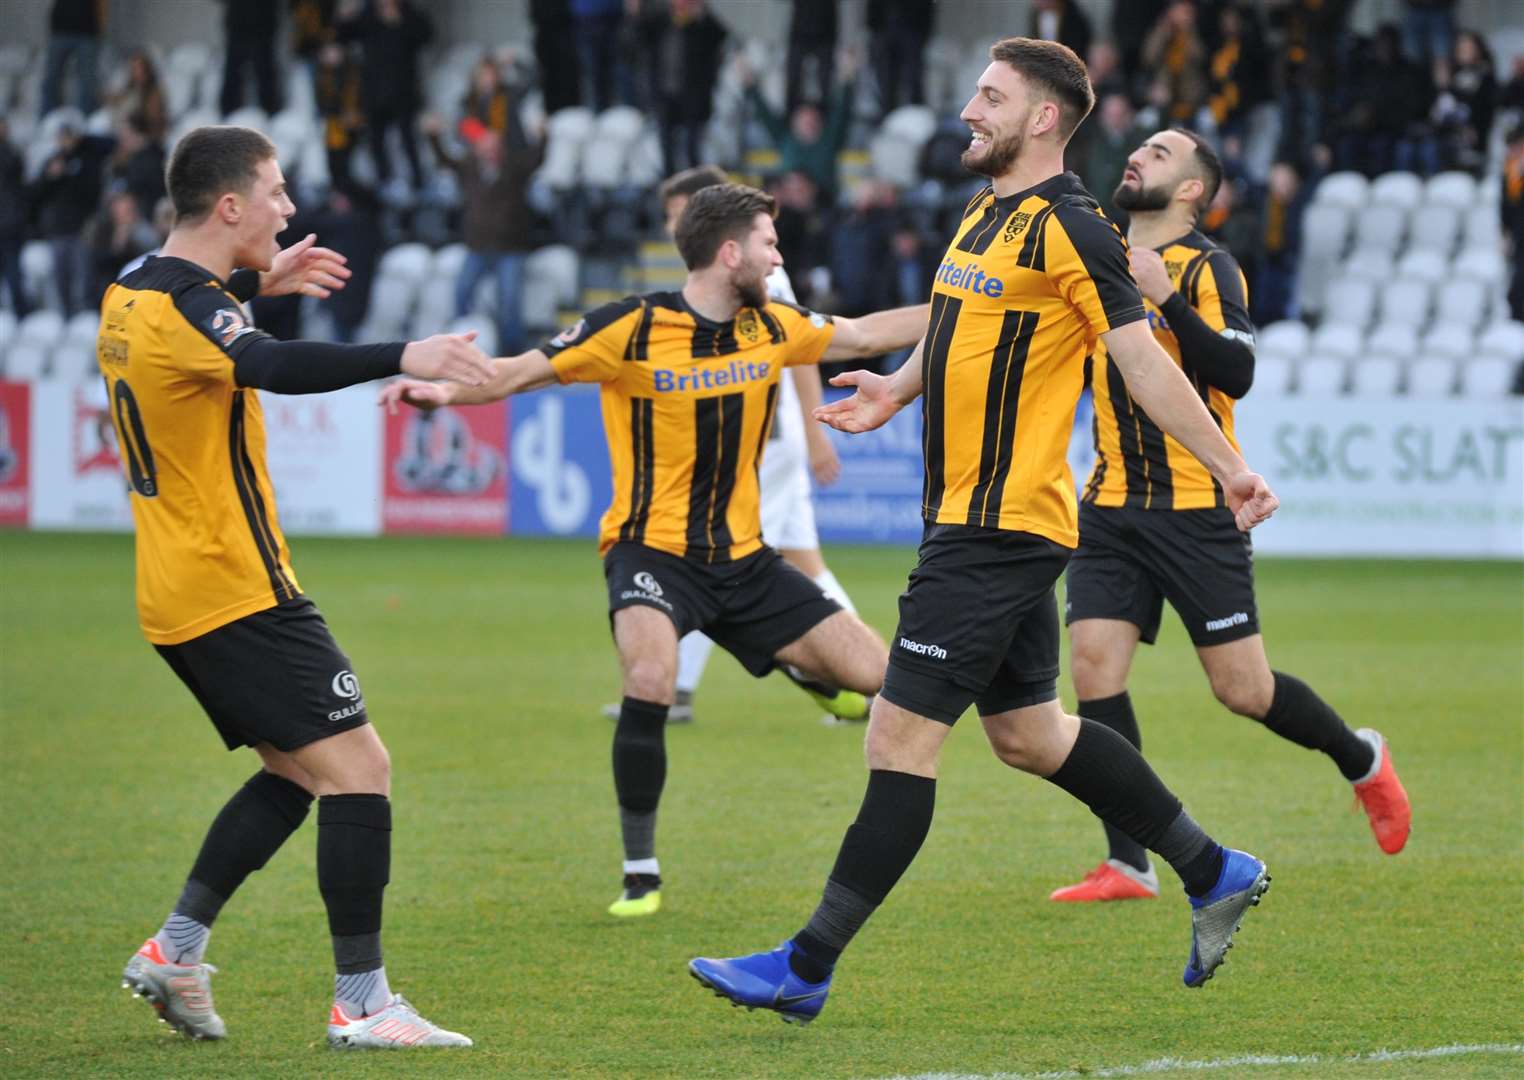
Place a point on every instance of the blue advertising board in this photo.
(558, 463)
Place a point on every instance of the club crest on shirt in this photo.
(228, 326)
(1174, 269)
(746, 325)
(1015, 224)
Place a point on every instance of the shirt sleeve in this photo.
(1218, 293)
(1086, 259)
(219, 332)
(595, 347)
(807, 333)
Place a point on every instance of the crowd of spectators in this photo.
(1285, 88)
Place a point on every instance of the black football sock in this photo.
(249, 829)
(640, 772)
(1300, 716)
(878, 848)
(1116, 713)
(354, 857)
(1107, 774)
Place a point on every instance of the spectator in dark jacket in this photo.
(597, 26)
(13, 207)
(1238, 70)
(1467, 103)
(812, 31)
(117, 235)
(1428, 30)
(1062, 21)
(862, 251)
(66, 195)
(1385, 118)
(137, 165)
(899, 31)
(555, 53)
(249, 32)
(336, 89)
(392, 34)
(684, 46)
(1281, 245)
(496, 221)
(809, 140)
(74, 36)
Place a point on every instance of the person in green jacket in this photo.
(809, 139)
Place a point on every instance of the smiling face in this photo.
(998, 116)
(1156, 172)
(259, 216)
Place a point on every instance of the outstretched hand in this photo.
(1250, 499)
(869, 408)
(306, 269)
(415, 392)
(448, 356)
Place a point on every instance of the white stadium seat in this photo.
(1453, 189)
(603, 163)
(436, 304)
(557, 265)
(1405, 301)
(574, 124)
(913, 123)
(1347, 189)
(1321, 377)
(43, 328)
(539, 306)
(1486, 267)
(410, 262)
(1434, 229)
(1375, 377)
(622, 124)
(643, 168)
(1488, 377)
(1272, 375)
(37, 268)
(83, 327)
(447, 261)
(1336, 339)
(1449, 340)
(1393, 339)
(73, 362)
(1350, 302)
(1400, 189)
(1463, 302)
(1431, 377)
(190, 56)
(1371, 265)
(1288, 337)
(1325, 228)
(391, 303)
(1482, 228)
(1380, 227)
(250, 116)
(1505, 338)
(25, 361)
(896, 159)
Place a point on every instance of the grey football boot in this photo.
(396, 1027)
(182, 993)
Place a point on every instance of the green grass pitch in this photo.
(484, 663)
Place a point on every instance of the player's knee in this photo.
(1242, 695)
(1091, 668)
(649, 679)
(1018, 749)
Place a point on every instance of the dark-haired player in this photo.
(215, 590)
(1033, 279)
(690, 389)
(1155, 526)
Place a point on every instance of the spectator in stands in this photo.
(140, 99)
(1464, 109)
(117, 235)
(336, 90)
(13, 214)
(312, 28)
(74, 36)
(1386, 106)
(899, 30)
(1313, 34)
(812, 31)
(809, 141)
(683, 45)
(1428, 30)
(1105, 63)
(1512, 205)
(862, 248)
(1511, 97)
(1232, 220)
(349, 220)
(1275, 297)
(598, 26)
(486, 103)
(1130, 24)
(1238, 70)
(248, 31)
(66, 195)
(137, 165)
(1174, 53)
(496, 221)
(1113, 137)
(1063, 21)
(392, 34)
(555, 53)
(803, 237)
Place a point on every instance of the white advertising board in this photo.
(324, 455)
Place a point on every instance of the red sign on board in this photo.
(15, 452)
(446, 471)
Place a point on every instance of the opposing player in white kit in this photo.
(795, 449)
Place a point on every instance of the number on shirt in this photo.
(133, 441)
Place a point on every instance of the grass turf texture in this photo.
(484, 663)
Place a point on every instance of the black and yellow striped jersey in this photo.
(687, 407)
(1136, 464)
(1026, 287)
(192, 442)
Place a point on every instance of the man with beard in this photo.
(1034, 278)
(690, 388)
(1155, 524)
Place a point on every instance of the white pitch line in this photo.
(1161, 1065)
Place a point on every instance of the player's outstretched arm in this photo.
(1162, 389)
(510, 375)
(879, 333)
(314, 367)
(877, 399)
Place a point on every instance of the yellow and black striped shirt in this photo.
(1136, 464)
(687, 407)
(192, 442)
(1026, 287)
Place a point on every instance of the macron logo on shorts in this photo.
(933, 652)
(345, 685)
(1238, 618)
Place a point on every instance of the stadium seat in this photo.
(1403, 190)
(622, 124)
(1272, 375)
(1376, 377)
(1350, 301)
(411, 262)
(1347, 189)
(1503, 338)
(190, 56)
(539, 307)
(293, 126)
(250, 116)
(1446, 339)
(1380, 227)
(37, 269)
(1325, 228)
(913, 123)
(1336, 339)
(1486, 267)
(447, 261)
(26, 362)
(1434, 229)
(1430, 377)
(643, 167)
(1453, 189)
(557, 265)
(1463, 302)
(436, 304)
(181, 90)
(1393, 339)
(603, 163)
(575, 124)
(895, 159)
(73, 362)
(99, 122)
(1423, 265)
(1404, 301)
(1488, 377)
(43, 328)
(1482, 229)
(1321, 377)
(83, 327)
(1371, 265)
(1287, 337)
(391, 304)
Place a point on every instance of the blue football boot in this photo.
(1215, 917)
(763, 981)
